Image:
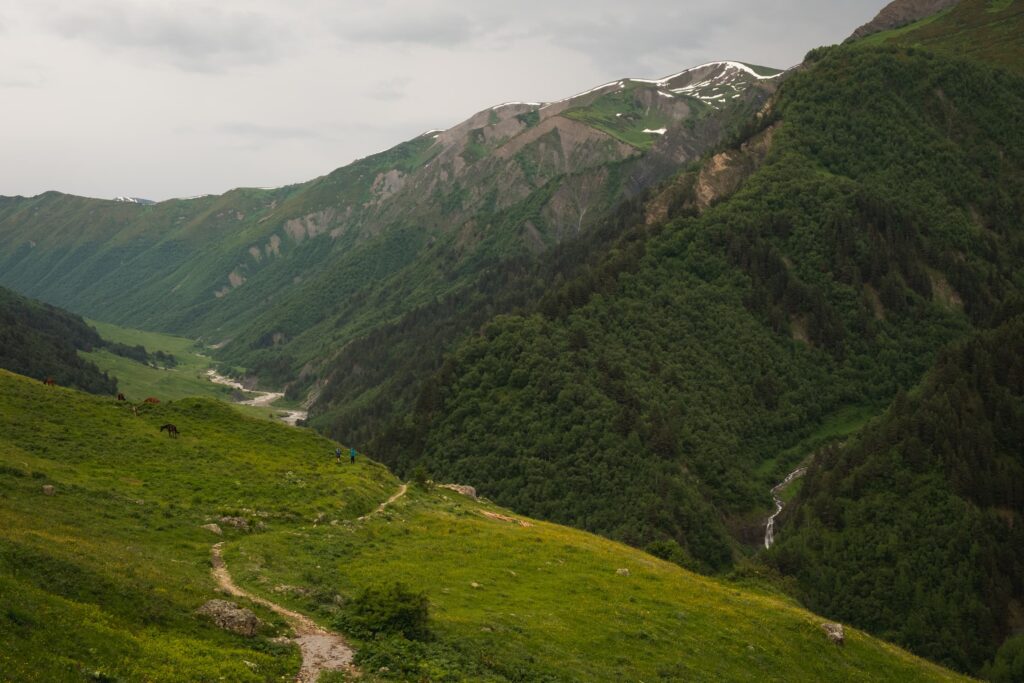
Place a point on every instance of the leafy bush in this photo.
(392, 609)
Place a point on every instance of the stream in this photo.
(263, 399)
(769, 529)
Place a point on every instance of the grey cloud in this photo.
(439, 29)
(191, 37)
(389, 91)
(265, 132)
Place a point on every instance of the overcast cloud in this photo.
(160, 99)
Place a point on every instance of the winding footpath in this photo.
(322, 650)
(263, 399)
(769, 529)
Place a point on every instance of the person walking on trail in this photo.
(352, 455)
(337, 454)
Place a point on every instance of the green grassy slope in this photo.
(138, 380)
(987, 30)
(105, 575)
(101, 580)
(928, 501)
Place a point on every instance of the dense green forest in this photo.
(915, 531)
(42, 341)
(652, 401)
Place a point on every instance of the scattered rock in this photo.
(504, 518)
(231, 617)
(240, 523)
(320, 517)
(622, 572)
(214, 528)
(475, 584)
(49, 490)
(460, 488)
(834, 633)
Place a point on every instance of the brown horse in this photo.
(152, 401)
(120, 397)
(172, 431)
(49, 382)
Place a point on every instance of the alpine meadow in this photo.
(711, 377)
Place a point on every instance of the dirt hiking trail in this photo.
(322, 650)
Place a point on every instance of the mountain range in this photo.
(635, 311)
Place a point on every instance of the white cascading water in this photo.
(769, 530)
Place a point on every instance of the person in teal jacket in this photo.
(352, 454)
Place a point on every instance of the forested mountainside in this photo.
(656, 403)
(41, 341)
(915, 530)
(286, 277)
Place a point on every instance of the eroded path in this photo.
(380, 508)
(322, 650)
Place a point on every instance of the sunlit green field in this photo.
(138, 381)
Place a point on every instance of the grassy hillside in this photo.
(101, 580)
(928, 501)
(986, 30)
(42, 341)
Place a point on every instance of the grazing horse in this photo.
(120, 397)
(172, 431)
(49, 382)
(152, 401)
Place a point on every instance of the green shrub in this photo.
(392, 609)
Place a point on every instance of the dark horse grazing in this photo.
(120, 397)
(152, 401)
(172, 431)
(49, 382)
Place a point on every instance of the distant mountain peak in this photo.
(133, 200)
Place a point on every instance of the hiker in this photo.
(337, 454)
(352, 454)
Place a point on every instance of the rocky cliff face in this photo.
(900, 13)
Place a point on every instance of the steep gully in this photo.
(769, 529)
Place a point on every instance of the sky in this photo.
(161, 99)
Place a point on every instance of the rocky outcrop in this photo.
(834, 632)
(213, 528)
(231, 617)
(49, 490)
(900, 13)
(459, 488)
(726, 171)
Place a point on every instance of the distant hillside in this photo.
(103, 576)
(285, 277)
(987, 30)
(41, 341)
(900, 13)
(915, 531)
